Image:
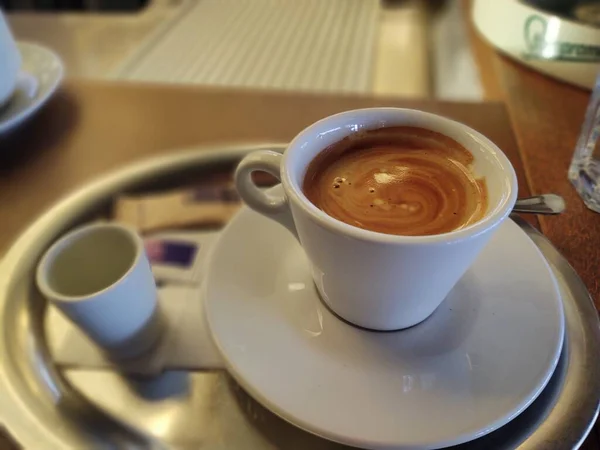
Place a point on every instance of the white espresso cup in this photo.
(10, 62)
(100, 278)
(375, 280)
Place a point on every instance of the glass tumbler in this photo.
(584, 172)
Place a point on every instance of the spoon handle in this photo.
(540, 204)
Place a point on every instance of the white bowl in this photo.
(556, 46)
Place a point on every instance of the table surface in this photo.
(90, 128)
(546, 116)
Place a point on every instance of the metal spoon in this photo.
(540, 204)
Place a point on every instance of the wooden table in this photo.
(546, 116)
(90, 128)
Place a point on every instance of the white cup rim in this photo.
(50, 255)
(491, 219)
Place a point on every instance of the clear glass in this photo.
(584, 172)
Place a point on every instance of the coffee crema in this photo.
(397, 180)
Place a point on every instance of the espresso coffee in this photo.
(397, 180)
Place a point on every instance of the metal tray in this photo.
(42, 407)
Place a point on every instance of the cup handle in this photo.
(273, 205)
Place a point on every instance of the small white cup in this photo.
(100, 278)
(374, 280)
(10, 62)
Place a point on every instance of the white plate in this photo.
(480, 360)
(41, 74)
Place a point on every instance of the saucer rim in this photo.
(13, 121)
(386, 444)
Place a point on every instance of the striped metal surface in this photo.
(307, 45)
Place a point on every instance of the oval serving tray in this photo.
(207, 410)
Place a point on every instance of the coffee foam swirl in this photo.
(398, 180)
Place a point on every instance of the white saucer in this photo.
(480, 360)
(41, 74)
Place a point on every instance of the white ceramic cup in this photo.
(10, 62)
(100, 278)
(375, 280)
